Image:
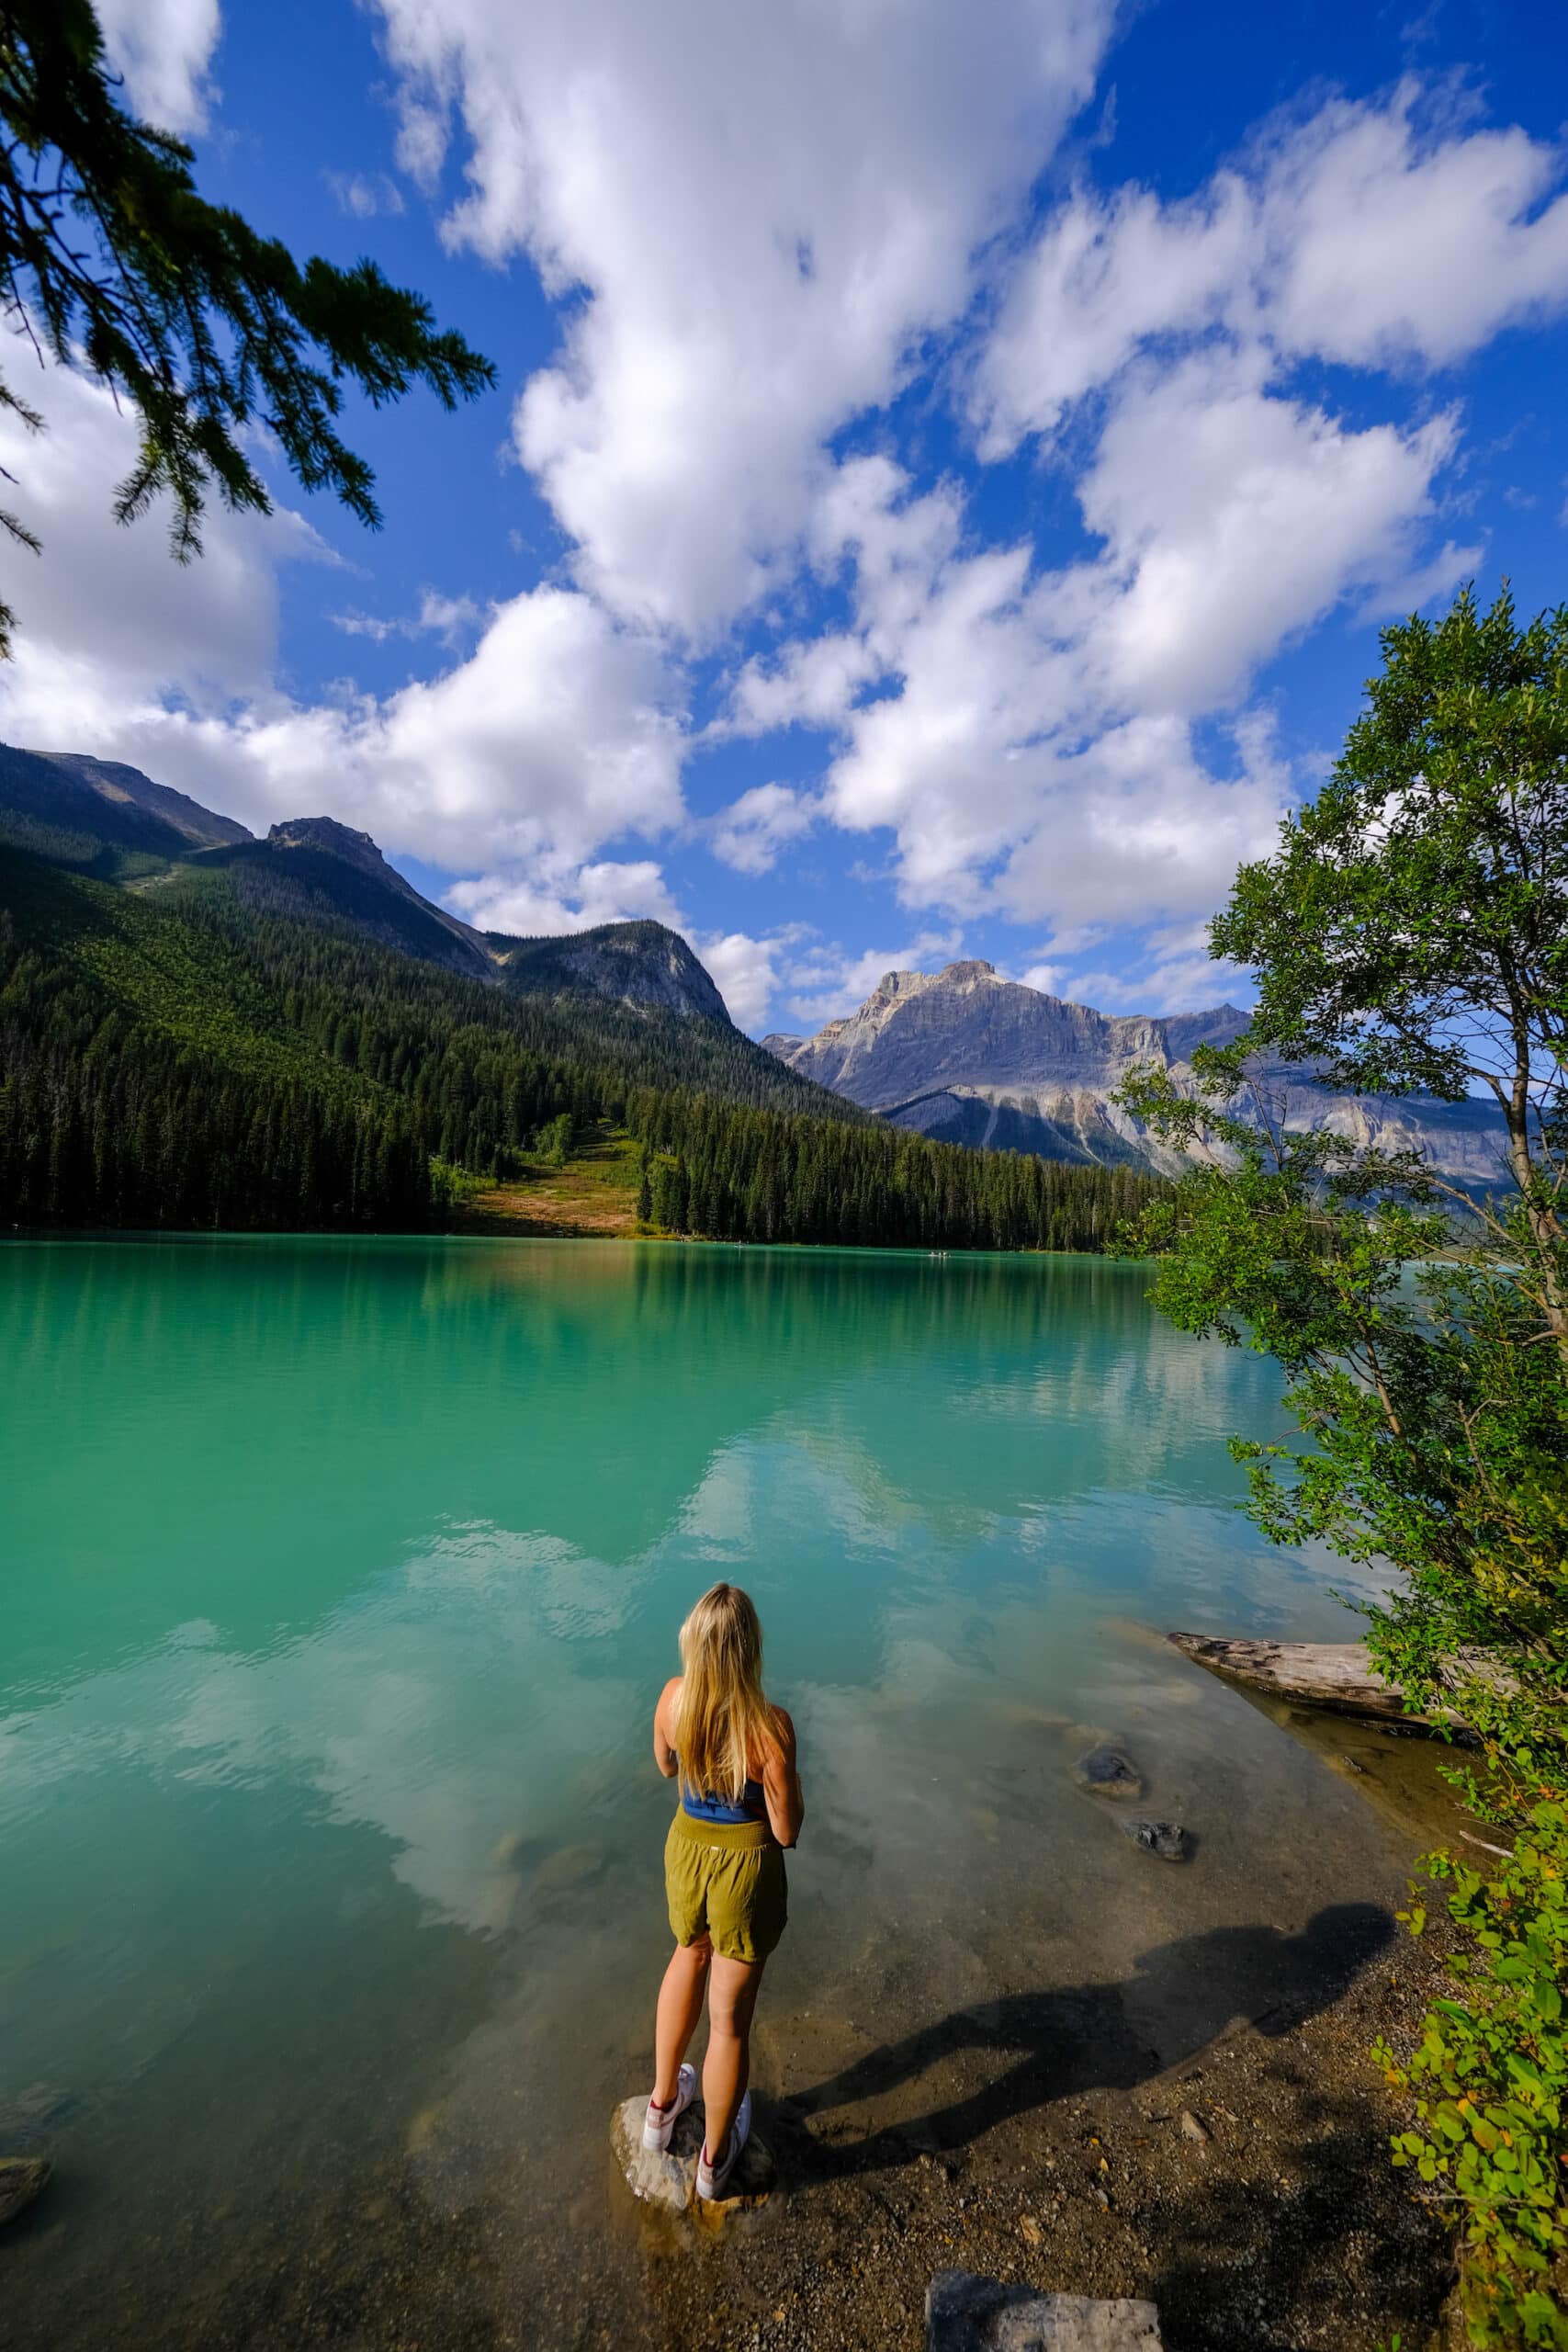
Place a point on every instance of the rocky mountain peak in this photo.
(325, 832)
(969, 1057)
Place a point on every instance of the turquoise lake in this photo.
(340, 1578)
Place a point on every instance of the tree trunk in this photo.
(1336, 1674)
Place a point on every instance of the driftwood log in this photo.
(1336, 1674)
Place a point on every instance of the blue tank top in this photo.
(751, 1808)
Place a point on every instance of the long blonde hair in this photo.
(722, 1720)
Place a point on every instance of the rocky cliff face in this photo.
(636, 964)
(967, 1057)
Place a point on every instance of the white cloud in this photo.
(1371, 233)
(558, 897)
(1170, 971)
(764, 211)
(363, 195)
(1395, 245)
(753, 830)
(1231, 519)
(108, 598)
(1106, 276)
(164, 47)
(559, 733)
(745, 971)
(1030, 741)
(447, 617)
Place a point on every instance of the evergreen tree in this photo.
(112, 260)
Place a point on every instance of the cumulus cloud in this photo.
(164, 47)
(1374, 233)
(560, 732)
(108, 598)
(1029, 743)
(751, 833)
(557, 896)
(1231, 519)
(745, 971)
(763, 211)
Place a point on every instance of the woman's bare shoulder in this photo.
(784, 1723)
(669, 1694)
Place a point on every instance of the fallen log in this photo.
(1335, 1675)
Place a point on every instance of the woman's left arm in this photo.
(780, 1785)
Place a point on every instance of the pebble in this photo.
(1194, 2130)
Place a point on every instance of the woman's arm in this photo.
(663, 1726)
(780, 1785)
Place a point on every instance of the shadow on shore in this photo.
(1094, 2037)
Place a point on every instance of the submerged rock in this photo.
(967, 2313)
(1165, 1838)
(21, 2177)
(670, 2180)
(1107, 1772)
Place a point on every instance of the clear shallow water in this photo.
(339, 1579)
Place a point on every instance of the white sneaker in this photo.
(713, 2179)
(660, 2121)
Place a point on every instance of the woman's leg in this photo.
(679, 2007)
(732, 1996)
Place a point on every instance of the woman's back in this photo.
(711, 1804)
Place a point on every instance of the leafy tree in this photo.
(113, 262)
(1409, 932)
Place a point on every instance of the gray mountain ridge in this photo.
(965, 1055)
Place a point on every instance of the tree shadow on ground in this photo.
(1095, 2036)
(1316, 2241)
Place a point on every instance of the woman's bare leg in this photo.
(732, 1996)
(679, 2007)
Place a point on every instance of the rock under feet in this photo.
(670, 2180)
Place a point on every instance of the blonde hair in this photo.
(722, 1720)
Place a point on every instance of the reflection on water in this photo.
(340, 1579)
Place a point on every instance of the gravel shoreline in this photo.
(1248, 2192)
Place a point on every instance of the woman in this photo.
(724, 1873)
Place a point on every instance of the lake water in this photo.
(339, 1580)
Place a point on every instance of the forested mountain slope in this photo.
(178, 1052)
(100, 816)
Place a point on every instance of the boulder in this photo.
(21, 2177)
(1106, 1772)
(1165, 1838)
(670, 2181)
(967, 2313)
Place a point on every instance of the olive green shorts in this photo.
(726, 1881)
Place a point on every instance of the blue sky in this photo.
(947, 470)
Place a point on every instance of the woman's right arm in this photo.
(663, 1726)
(780, 1785)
